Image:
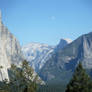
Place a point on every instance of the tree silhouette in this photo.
(80, 82)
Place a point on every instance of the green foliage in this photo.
(21, 79)
(80, 82)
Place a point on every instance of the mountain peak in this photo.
(36, 44)
(63, 43)
(67, 40)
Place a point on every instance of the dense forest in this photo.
(22, 80)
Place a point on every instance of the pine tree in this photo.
(80, 82)
(22, 79)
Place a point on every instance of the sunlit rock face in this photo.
(37, 54)
(10, 51)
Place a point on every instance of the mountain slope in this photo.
(37, 54)
(64, 61)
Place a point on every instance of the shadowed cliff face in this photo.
(64, 61)
(63, 43)
(10, 51)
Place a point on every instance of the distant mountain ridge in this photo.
(37, 53)
(64, 61)
(63, 42)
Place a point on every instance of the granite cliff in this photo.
(10, 51)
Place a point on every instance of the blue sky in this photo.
(47, 21)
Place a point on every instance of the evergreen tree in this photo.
(22, 79)
(80, 82)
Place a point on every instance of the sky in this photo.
(47, 21)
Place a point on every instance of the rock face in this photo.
(64, 61)
(10, 51)
(63, 43)
(37, 54)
